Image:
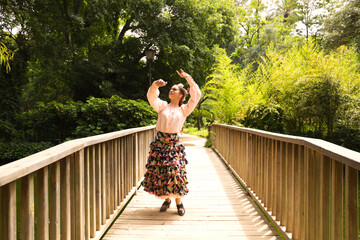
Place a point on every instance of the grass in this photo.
(203, 132)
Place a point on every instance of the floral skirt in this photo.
(165, 175)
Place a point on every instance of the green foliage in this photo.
(228, 91)
(309, 85)
(10, 151)
(99, 115)
(56, 122)
(51, 122)
(301, 91)
(5, 56)
(343, 26)
(76, 49)
(267, 117)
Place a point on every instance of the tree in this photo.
(78, 49)
(343, 27)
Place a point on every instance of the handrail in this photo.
(297, 181)
(80, 186)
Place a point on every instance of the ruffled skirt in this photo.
(165, 175)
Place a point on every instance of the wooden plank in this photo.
(92, 193)
(79, 195)
(42, 202)
(135, 159)
(25, 166)
(351, 203)
(311, 224)
(107, 176)
(211, 187)
(341, 154)
(27, 207)
(297, 186)
(65, 199)
(291, 187)
(337, 200)
(306, 194)
(103, 184)
(98, 186)
(325, 195)
(116, 173)
(72, 195)
(283, 184)
(87, 193)
(317, 195)
(54, 200)
(8, 211)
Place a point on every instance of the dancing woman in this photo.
(166, 165)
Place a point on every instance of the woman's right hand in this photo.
(160, 83)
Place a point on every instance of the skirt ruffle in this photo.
(166, 167)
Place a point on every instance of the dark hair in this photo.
(182, 92)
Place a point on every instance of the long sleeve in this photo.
(154, 100)
(195, 95)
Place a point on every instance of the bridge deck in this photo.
(216, 207)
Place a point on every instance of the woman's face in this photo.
(174, 93)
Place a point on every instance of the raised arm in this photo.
(153, 95)
(195, 94)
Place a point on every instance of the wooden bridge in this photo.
(251, 185)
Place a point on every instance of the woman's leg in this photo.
(180, 207)
(165, 205)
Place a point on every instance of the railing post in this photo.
(351, 204)
(8, 211)
(79, 195)
(92, 193)
(65, 201)
(27, 207)
(136, 160)
(42, 213)
(337, 200)
(325, 181)
(54, 200)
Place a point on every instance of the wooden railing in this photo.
(308, 187)
(73, 190)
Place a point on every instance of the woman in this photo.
(166, 173)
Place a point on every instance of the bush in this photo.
(50, 122)
(55, 122)
(99, 115)
(267, 117)
(11, 151)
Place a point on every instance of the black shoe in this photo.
(181, 209)
(165, 206)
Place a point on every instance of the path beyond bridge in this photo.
(217, 207)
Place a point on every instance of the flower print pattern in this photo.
(166, 167)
